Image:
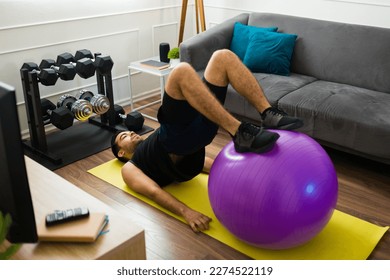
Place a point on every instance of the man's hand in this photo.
(197, 221)
(142, 184)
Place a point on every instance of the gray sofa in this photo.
(339, 81)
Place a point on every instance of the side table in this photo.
(136, 65)
(124, 241)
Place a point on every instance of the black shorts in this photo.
(184, 130)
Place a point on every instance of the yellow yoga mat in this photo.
(345, 237)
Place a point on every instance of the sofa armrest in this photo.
(198, 49)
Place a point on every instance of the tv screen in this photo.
(15, 197)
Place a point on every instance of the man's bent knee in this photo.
(223, 54)
(216, 70)
(221, 59)
(182, 69)
(182, 73)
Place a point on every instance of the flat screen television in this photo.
(15, 196)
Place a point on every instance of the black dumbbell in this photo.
(66, 72)
(47, 77)
(84, 67)
(133, 121)
(61, 118)
(81, 109)
(102, 63)
(100, 103)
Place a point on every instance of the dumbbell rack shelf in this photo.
(62, 147)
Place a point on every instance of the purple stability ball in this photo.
(276, 200)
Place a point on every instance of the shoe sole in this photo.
(260, 150)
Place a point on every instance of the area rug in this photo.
(344, 238)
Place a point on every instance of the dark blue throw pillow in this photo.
(270, 52)
(241, 34)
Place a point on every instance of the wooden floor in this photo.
(364, 192)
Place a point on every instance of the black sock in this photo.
(262, 115)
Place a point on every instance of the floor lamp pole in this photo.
(199, 9)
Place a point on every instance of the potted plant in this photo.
(174, 55)
(5, 223)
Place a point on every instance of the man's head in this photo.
(123, 144)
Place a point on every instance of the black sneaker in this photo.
(275, 118)
(251, 138)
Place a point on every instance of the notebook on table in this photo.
(83, 230)
(155, 64)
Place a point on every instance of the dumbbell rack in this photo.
(62, 147)
(109, 119)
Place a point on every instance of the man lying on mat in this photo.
(189, 117)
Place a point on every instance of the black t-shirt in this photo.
(152, 158)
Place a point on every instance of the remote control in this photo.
(61, 216)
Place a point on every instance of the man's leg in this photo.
(184, 84)
(225, 67)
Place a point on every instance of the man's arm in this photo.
(140, 183)
(208, 162)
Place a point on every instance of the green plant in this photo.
(5, 223)
(174, 53)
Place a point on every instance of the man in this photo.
(189, 117)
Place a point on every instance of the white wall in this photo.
(366, 12)
(31, 30)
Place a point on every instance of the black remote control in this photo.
(61, 216)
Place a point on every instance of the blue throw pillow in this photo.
(270, 52)
(241, 34)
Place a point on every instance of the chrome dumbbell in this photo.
(80, 108)
(100, 103)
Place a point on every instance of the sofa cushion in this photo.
(344, 115)
(274, 87)
(241, 37)
(338, 52)
(270, 52)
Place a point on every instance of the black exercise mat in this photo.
(77, 142)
